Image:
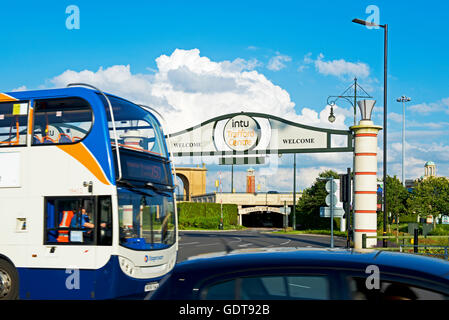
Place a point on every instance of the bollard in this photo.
(364, 240)
(415, 241)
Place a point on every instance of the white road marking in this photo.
(245, 245)
(238, 240)
(208, 244)
(285, 242)
(182, 244)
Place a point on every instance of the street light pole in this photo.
(232, 176)
(384, 194)
(346, 95)
(403, 99)
(220, 226)
(294, 193)
(385, 134)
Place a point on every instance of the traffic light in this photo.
(345, 188)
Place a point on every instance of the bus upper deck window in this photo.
(137, 129)
(13, 123)
(61, 121)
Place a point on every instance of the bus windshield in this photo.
(137, 129)
(146, 219)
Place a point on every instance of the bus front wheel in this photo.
(9, 281)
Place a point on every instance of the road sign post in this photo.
(331, 201)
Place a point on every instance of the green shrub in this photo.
(440, 230)
(206, 215)
(408, 218)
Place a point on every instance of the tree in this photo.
(397, 196)
(430, 197)
(308, 207)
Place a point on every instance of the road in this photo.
(193, 243)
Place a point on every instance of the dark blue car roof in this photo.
(332, 258)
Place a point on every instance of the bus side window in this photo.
(13, 123)
(61, 121)
(70, 220)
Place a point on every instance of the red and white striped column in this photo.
(365, 182)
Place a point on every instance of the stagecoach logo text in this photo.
(241, 133)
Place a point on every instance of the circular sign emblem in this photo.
(241, 133)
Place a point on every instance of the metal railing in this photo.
(423, 249)
(416, 249)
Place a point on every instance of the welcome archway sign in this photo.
(252, 134)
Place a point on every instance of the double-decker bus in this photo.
(87, 203)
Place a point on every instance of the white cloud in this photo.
(276, 63)
(338, 68)
(445, 102)
(432, 125)
(189, 88)
(423, 108)
(21, 88)
(396, 117)
(431, 107)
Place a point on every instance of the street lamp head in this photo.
(403, 99)
(366, 108)
(331, 116)
(366, 23)
(359, 21)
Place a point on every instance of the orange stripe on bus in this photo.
(365, 211)
(365, 192)
(82, 154)
(365, 230)
(365, 173)
(30, 121)
(5, 97)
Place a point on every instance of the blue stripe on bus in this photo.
(108, 282)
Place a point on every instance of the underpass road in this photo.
(194, 243)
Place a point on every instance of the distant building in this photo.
(250, 181)
(430, 170)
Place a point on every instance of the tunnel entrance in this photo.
(263, 219)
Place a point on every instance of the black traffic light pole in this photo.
(345, 197)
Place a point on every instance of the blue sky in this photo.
(308, 49)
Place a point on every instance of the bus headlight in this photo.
(127, 266)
